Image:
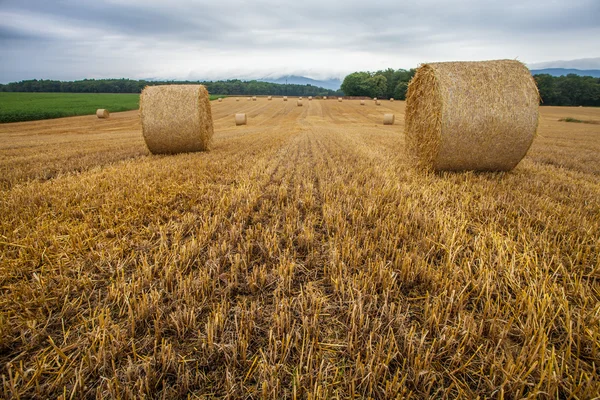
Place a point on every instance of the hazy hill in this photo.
(332, 84)
(565, 71)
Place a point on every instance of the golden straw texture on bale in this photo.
(309, 98)
(270, 98)
(388, 119)
(324, 97)
(340, 99)
(240, 119)
(392, 99)
(478, 116)
(300, 98)
(253, 98)
(284, 98)
(220, 99)
(102, 113)
(176, 118)
(299, 103)
(377, 103)
(362, 102)
(375, 98)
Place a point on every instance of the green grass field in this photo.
(16, 107)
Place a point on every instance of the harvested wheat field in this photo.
(300, 258)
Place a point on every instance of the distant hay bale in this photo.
(377, 103)
(309, 98)
(340, 99)
(270, 98)
(240, 119)
(249, 98)
(299, 103)
(388, 119)
(102, 113)
(391, 99)
(284, 98)
(375, 98)
(300, 98)
(237, 99)
(479, 116)
(362, 102)
(176, 118)
(253, 98)
(324, 97)
(220, 99)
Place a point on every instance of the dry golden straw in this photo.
(237, 99)
(391, 99)
(176, 118)
(375, 98)
(284, 98)
(388, 119)
(300, 98)
(377, 103)
(102, 113)
(270, 98)
(340, 99)
(309, 98)
(220, 99)
(299, 103)
(479, 116)
(240, 119)
(253, 98)
(362, 102)
(324, 97)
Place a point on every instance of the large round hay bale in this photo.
(362, 102)
(479, 116)
(176, 118)
(299, 103)
(388, 119)
(102, 113)
(284, 98)
(240, 119)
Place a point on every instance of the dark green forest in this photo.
(230, 87)
(569, 90)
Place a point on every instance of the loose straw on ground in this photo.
(479, 116)
(176, 118)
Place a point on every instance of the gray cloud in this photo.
(180, 39)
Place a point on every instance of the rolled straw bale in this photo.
(299, 103)
(340, 99)
(102, 113)
(377, 103)
(240, 119)
(388, 119)
(300, 98)
(362, 102)
(253, 98)
(220, 99)
(237, 99)
(284, 98)
(249, 98)
(324, 97)
(176, 118)
(479, 116)
(375, 98)
(391, 99)
(309, 98)
(270, 98)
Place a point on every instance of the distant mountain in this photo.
(332, 84)
(565, 71)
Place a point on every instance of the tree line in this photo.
(229, 87)
(569, 90)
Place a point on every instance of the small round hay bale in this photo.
(237, 99)
(300, 98)
(324, 97)
(270, 98)
(176, 118)
(102, 113)
(340, 99)
(284, 98)
(375, 98)
(391, 99)
(309, 98)
(253, 98)
(377, 103)
(479, 116)
(388, 119)
(299, 103)
(362, 102)
(220, 99)
(240, 119)
(249, 98)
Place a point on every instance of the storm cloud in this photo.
(186, 39)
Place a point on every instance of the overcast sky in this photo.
(217, 39)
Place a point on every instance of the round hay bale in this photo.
(478, 116)
(362, 102)
(377, 103)
(375, 98)
(237, 99)
(249, 98)
(340, 99)
(102, 113)
(240, 119)
(299, 103)
(391, 99)
(324, 97)
(284, 98)
(270, 98)
(176, 118)
(220, 99)
(309, 98)
(300, 98)
(388, 119)
(253, 98)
